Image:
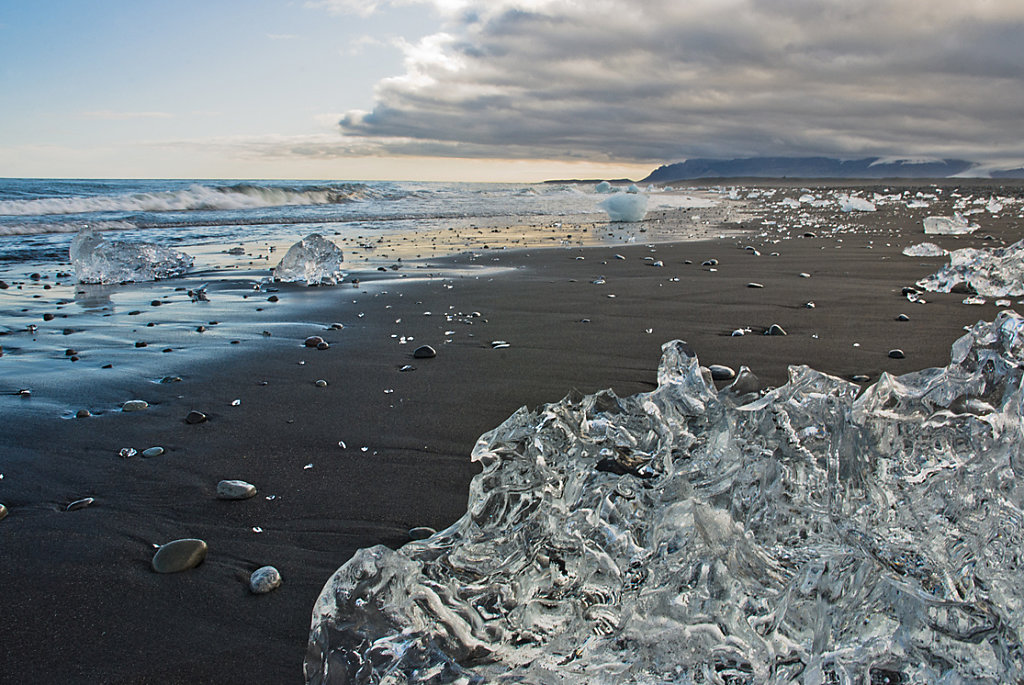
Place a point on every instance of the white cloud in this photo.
(664, 79)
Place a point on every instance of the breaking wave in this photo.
(195, 197)
(814, 534)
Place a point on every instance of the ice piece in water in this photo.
(945, 225)
(813, 534)
(625, 207)
(633, 188)
(604, 187)
(855, 204)
(925, 250)
(98, 260)
(996, 272)
(314, 260)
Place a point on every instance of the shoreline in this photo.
(79, 594)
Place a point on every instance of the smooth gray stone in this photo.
(424, 352)
(860, 378)
(421, 532)
(775, 329)
(134, 405)
(195, 417)
(264, 579)
(755, 285)
(903, 317)
(720, 372)
(179, 555)
(153, 452)
(313, 341)
(235, 489)
(897, 354)
(79, 504)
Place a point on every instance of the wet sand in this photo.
(79, 602)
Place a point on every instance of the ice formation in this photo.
(625, 207)
(815, 534)
(313, 260)
(994, 272)
(855, 204)
(604, 187)
(925, 250)
(944, 225)
(98, 260)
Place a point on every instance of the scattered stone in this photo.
(738, 332)
(720, 372)
(179, 555)
(754, 285)
(171, 379)
(79, 504)
(424, 352)
(499, 344)
(709, 262)
(155, 303)
(313, 341)
(127, 452)
(897, 354)
(135, 405)
(4, 285)
(3, 509)
(83, 414)
(860, 378)
(775, 329)
(320, 383)
(140, 343)
(336, 326)
(200, 329)
(273, 298)
(264, 580)
(804, 274)
(235, 489)
(195, 417)
(406, 368)
(903, 317)
(152, 452)
(421, 532)
(47, 316)
(809, 305)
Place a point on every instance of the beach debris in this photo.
(424, 352)
(946, 225)
(235, 490)
(264, 579)
(194, 417)
(79, 504)
(819, 498)
(421, 532)
(720, 372)
(127, 452)
(989, 272)
(151, 452)
(179, 555)
(925, 250)
(625, 207)
(135, 405)
(314, 260)
(897, 354)
(98, 260)
(775, 329)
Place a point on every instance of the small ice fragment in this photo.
(633, 189)
(944, 225)
(308, 466)
(925, 250)
(342, 445)
(98, 260)
(235, 403)
(604, 187)
(855, 204)
(625, 207)
(127, 452)
(257, 529)
(997, 272)
(314, 259)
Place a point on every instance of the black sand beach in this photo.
(78, 599)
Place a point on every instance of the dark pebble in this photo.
(323, 345)
(3, 285)
(200, 329)
(860, 378)
(74, 357)
(155, 303)
(195, 417)
(710, 262)
(272, 298)
(907, 290)
(313, 341)
(36, 277)
(83, 414)
(903, 317)
(70, 353)
(171, 379)
(179, 555)
(755, 285)
(720, 372)
(897, 354)
(775, 329)
(424, 352)
(47, 316)
(140, 343)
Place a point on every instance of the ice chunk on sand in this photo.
(689, 531)
(925, 250)
(98, 260)
(855, 204)
(945, 225)
(313, 260)
(604, 187)
(625, 207)
(633, 188)
(997, 272)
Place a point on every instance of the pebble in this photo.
(47, 316)
(809, 305)
(775, 329)
(323, 345)
(903, 317)
(313, 341)
(746, 382)
(264, 579)
(235, 489)
(195, 417)
(755, 285)
(424, 352)
(738, 332)
(134, 405)
(805, 275)
(499, 344)
(720, 372)
(152, 452)
(4, 285)
(860, 378)
(710, 262)
(171, 379)
(83, 414)
(79, 504)
(421, 532)
(3, 509)
(407, 367)
(320, 383)
(179, 555)
(141, 343)
(897, 354)
(273, 298)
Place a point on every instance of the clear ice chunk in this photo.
(925, 250)
(996, 272)
(98, 260)
(813, 534)
(625, 207)
(945, 225)
(604, 187)
(855, 204)
(313, 260)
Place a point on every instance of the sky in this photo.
(499, 90)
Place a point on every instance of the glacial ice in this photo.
(814, 534)
(996, 272)
(945, 225)
(625, 207)
(855, 204)
(925, 250)
(604, 187)
(314, 260)
(98, 260)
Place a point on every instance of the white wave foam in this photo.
(195, 197)
(74, 227)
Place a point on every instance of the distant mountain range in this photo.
(816, 167)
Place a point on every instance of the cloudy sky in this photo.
(499, 89)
